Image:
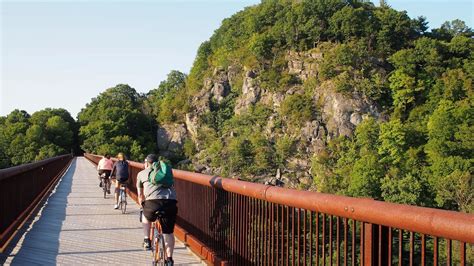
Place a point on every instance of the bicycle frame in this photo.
(123, 198)
(158, 247)
(105, 184)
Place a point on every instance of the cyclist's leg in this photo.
(169, 243)
(99, 175)
(167, 224)
(147, 212)
(107, 180)
(117, 191)
(148, 216)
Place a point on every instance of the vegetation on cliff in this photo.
(418, 144)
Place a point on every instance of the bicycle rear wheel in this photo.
(158, 250)
(104, 187)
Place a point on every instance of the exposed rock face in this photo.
(313, 136)
(201, 100)
(272, 99)
(170, 139)
(220, 87)
(250, 93)
(303, 64)
(191, 121)
(342, 113)
(336, 114)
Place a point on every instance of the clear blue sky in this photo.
(63, 53)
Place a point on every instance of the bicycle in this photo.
(123, 198)
(104, 184)
(158, 248)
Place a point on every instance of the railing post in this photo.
(370, 248)
(376, 244)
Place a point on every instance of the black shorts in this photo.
(122, 181)
(107, 173)
(170, 209)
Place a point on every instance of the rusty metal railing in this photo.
(22, 188)
(253, 224)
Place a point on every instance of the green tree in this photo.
(25, 138)
(115, 122)
(297, 108)
(168, 102)
(449, 29)
(366, 176)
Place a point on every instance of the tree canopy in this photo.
(115, 122)
(44, 134)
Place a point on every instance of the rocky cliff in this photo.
(335, 114)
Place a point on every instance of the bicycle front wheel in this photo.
(124, 207)
(123, 202)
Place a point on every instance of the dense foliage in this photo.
(167, 103)
(425, 148)
(115, 122)
(46, 133)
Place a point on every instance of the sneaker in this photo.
(146, 244)
(100, 184)
(108, 191)
(169, 262)
(116, 206)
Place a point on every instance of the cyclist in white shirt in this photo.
(105, 168)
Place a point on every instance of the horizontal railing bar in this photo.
(441, 223)
(16, 170)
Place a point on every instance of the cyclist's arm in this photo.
(141, 196)
(99, 164)
(112, 173)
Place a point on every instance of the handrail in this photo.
(436, 222)
(19, 169)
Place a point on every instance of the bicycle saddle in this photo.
(160, 213)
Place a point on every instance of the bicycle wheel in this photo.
(163, 249)
(158, 249)
(124, 204)
(104, 187)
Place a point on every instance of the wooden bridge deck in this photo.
(78, 226)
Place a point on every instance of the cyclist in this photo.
(105, 168)
(121, 174)
(153, 198)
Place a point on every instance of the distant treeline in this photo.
(26, 138)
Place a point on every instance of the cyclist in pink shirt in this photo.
(105, 168)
